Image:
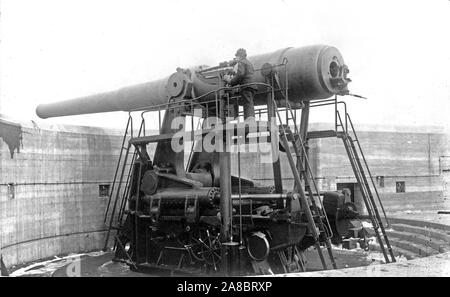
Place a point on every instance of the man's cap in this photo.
(241, 52)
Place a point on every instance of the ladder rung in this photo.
(144, 216)
(319, 216)
(112, 227)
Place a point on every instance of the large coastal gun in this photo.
(201, 218)
(314, 72)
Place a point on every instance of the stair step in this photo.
(436, 244)
(428, 232)
(402, 252)
(397, 252)
(426, 224)
(319, 216)
(418, 249)
(321, 134)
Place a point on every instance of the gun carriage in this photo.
(199, 214)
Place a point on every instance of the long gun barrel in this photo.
(311, 72)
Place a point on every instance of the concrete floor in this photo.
(100, 264)
(350, 262)
(432, 266)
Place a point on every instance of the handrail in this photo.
(369, 202)
(179, 102)
(125, 193)
(368, 170)
(308, 170)
(117, 170)
(127, 184)
(315, 234)
(365, 187)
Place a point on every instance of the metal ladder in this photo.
(315, 215)
(115, 193)
(354, 152)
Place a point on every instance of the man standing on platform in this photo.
(243, 75)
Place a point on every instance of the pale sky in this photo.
(398, 51)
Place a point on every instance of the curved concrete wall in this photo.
(397, 154)
(49, 188)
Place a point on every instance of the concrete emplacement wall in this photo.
(49, 190)
(50, 202)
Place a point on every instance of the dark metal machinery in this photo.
(201, 218)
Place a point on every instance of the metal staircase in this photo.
(320, 232)
(308, 190)
(363, 174)
(119, 193)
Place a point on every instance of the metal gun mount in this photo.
(202, 217)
